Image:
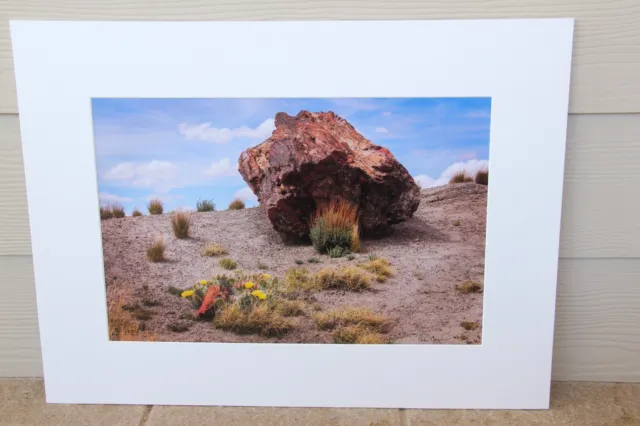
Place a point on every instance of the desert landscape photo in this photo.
(339, 221)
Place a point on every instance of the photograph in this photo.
(293, 220)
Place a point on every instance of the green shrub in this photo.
(205, 206)
(228, 263)
(335, 225)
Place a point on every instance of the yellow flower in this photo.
(248, 284)
(187, 293)
(266, 276)
(203, 282)
(259, 294)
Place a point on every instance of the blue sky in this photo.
(182, 150)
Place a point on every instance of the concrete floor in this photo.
(22, 403)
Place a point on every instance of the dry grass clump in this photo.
(117, 210)
(122, 325)
(469, 287)
(357, 335)
(236, 205)
(461, 177)
(350, 316)
(105, 212)
(155, 251)
(228, 264)
(136, 213)
(180, 223)
(262, 266)
(155, 206)
(482, 177)
(380, 267)
(456, 222)
(205, 206)
(469, 325)
(288, 308)
(215, 250)
(299, 279)
(255, 320)
(334, 228)
(348, 278)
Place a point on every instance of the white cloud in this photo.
(204, 132)
(245, 194)
(381, 130)
(220, 168)
(106, 197)
(156, 174)
(470, 168)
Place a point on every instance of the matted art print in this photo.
(304, 214)
(344, 220)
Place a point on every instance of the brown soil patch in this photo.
(441, 246)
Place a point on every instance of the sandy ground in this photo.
(429, 254)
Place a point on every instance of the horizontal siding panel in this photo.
(597, 337)
(19, 337)
(606, 60)
(599, 208)
(596, 334)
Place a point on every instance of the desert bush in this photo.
(105, 212)
(180, 223)
(228, 263)
(155, 251)
(460, 177)
(469, 287)
(236, 205)
(380, 267)
(174, 290)
(349, 316)
(255, 320)
(482, 177)
(348, 278)
(288, 308)
(357, 335)
(122, 325)
(335, 224)
(205, 206)
(335, 252)
(215, 250)
(299, 279)
(155, 206)
(136, 213)
(469, 325)
(117, 210)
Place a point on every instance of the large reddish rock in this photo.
(315, 157)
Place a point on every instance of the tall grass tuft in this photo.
(136, 213)
(334, 228)
(236, 205)
(482, 177)
(155, 251)
(206, 206)
(118, 210)
(180, 222)
(460, 177)
(122, 324)
(155, 206)
(105, 212)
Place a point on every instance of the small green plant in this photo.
(155, 206)
(155, 251)
(372, 257)
(228, 263)
(335, 224)
(313, 260)
(469, 287)
(215, 250)
(460, 177)
(351, 256)
(118, 210)
(335, 252)
(456, 222)
(469, 325)
(298, 262)
(136, 213)
(174, 290)
(262, 266)
(205, 206)
(180, 223)
(482, 177)
(236, 205)
(419, 275)
(105, 212)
